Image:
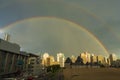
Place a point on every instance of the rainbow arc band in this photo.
(68, 21)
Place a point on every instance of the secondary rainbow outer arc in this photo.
(70, 22)
(78, 7)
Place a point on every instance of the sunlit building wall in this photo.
(44, 59)
(86, 57)
(93, 58)
(108, 61)
(73, 58)
(61, 59)
(50, 61)
(100, 59)
(55, 63)
(112, 58)
(83, 56)
(105, 60)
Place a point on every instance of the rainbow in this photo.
(68, 21)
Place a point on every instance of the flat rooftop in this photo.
(9, 47)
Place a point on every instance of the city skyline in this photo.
(59, 39)
(100, 21)
(15, 62)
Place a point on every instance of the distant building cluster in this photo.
(86, 58)
(48, 60)
(14, 61)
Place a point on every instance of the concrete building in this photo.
(112, 58)
(116, 63)
(73, 58)
(93, 58)
(100, 59)
(11, 59)
(55, 63)
(61, 59)
(108, 61)
(44, 59)
(86, 57)
(34, 64)
(50, 60)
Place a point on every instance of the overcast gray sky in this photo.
(100, 17)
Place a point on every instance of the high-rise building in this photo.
(105, 60)
(61, 59)
(108, 61)
(100, 59)
(73, 58)
(112, 58)
(86, 57)
(44, 59)
(93, 58)
(50, 60)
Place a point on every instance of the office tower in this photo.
(44, 60)
(50, 61)
(86, 57)
(73, 58)
(100, 59)
(112, 58)
(93, 58)
(105, 60)
(61, 59)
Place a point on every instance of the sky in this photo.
(99, 17)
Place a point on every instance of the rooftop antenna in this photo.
(7, 37)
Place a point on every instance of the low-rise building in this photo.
(11, 60)
(34, 64)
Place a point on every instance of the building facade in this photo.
(112, 58)
(11, 60)
(50, 60)
(93, 58)
(34, 64)
(86, 57)
(61, 59)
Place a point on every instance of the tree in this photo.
(68, 60)
(79, 60)
(53, 68)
